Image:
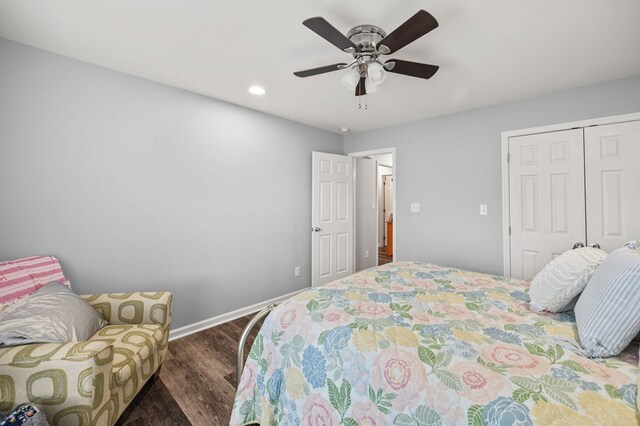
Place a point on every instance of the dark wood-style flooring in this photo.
(197, 381)
(382, 256)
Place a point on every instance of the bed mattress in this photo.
(410, 343)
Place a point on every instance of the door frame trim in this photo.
(392, 151)
(506, 219)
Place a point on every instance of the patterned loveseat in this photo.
(91, 382)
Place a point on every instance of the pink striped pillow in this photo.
(21, 277)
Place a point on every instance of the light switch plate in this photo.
(483, 209)
(415, 207)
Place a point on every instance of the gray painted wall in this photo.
(452, 164)
(139, 186)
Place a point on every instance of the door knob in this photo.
(316, 229)
(578, 245)
(595, 245)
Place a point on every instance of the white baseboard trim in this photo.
(229, 316)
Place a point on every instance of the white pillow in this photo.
(557, 286)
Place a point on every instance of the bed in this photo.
(410, 343)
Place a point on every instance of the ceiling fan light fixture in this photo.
(370, 86)
(366, 43)
(350, 79)
(376, 72)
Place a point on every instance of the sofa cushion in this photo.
(22, 277)
(134, 348)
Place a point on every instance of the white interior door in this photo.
(331, 218)
(546, 190)
(612, 162)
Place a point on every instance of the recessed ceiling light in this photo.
(257, 90)
(345, 129)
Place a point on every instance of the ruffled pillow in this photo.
(557, 286)
(633, 245)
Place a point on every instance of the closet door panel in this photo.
(612, 164)
(546, 189)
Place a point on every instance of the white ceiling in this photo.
(489, 51)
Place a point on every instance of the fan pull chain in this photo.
(366, 102)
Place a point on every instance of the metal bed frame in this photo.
(243, 339)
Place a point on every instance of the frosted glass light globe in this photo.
(376, 72)
(350, 79)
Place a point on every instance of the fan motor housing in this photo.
(366, 37)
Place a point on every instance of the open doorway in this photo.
(385, 219)
(374, 204)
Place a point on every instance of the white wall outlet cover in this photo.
(415, 207)
(483, 209)
(296, 271)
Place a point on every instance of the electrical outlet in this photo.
(296, 271)
(483, 209)
(366, 253)
(415, 207)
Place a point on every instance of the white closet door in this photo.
(546, 189)
(612, 163)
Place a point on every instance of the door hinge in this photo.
(509, 230)
(508, 157)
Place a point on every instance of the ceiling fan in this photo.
(367, 43)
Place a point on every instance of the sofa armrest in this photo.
(133, 308)
(27, 356)
(63, 379)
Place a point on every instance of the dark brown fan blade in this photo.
(319, 70)
(328, 32)
(360, 88)
(413, 69)
(414, 28)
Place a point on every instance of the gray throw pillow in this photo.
(54, 313)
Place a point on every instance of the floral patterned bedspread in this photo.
(410, 343)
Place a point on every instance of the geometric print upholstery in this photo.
(68, 381)
(134, 347)
(91, 382)
(135, 308)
